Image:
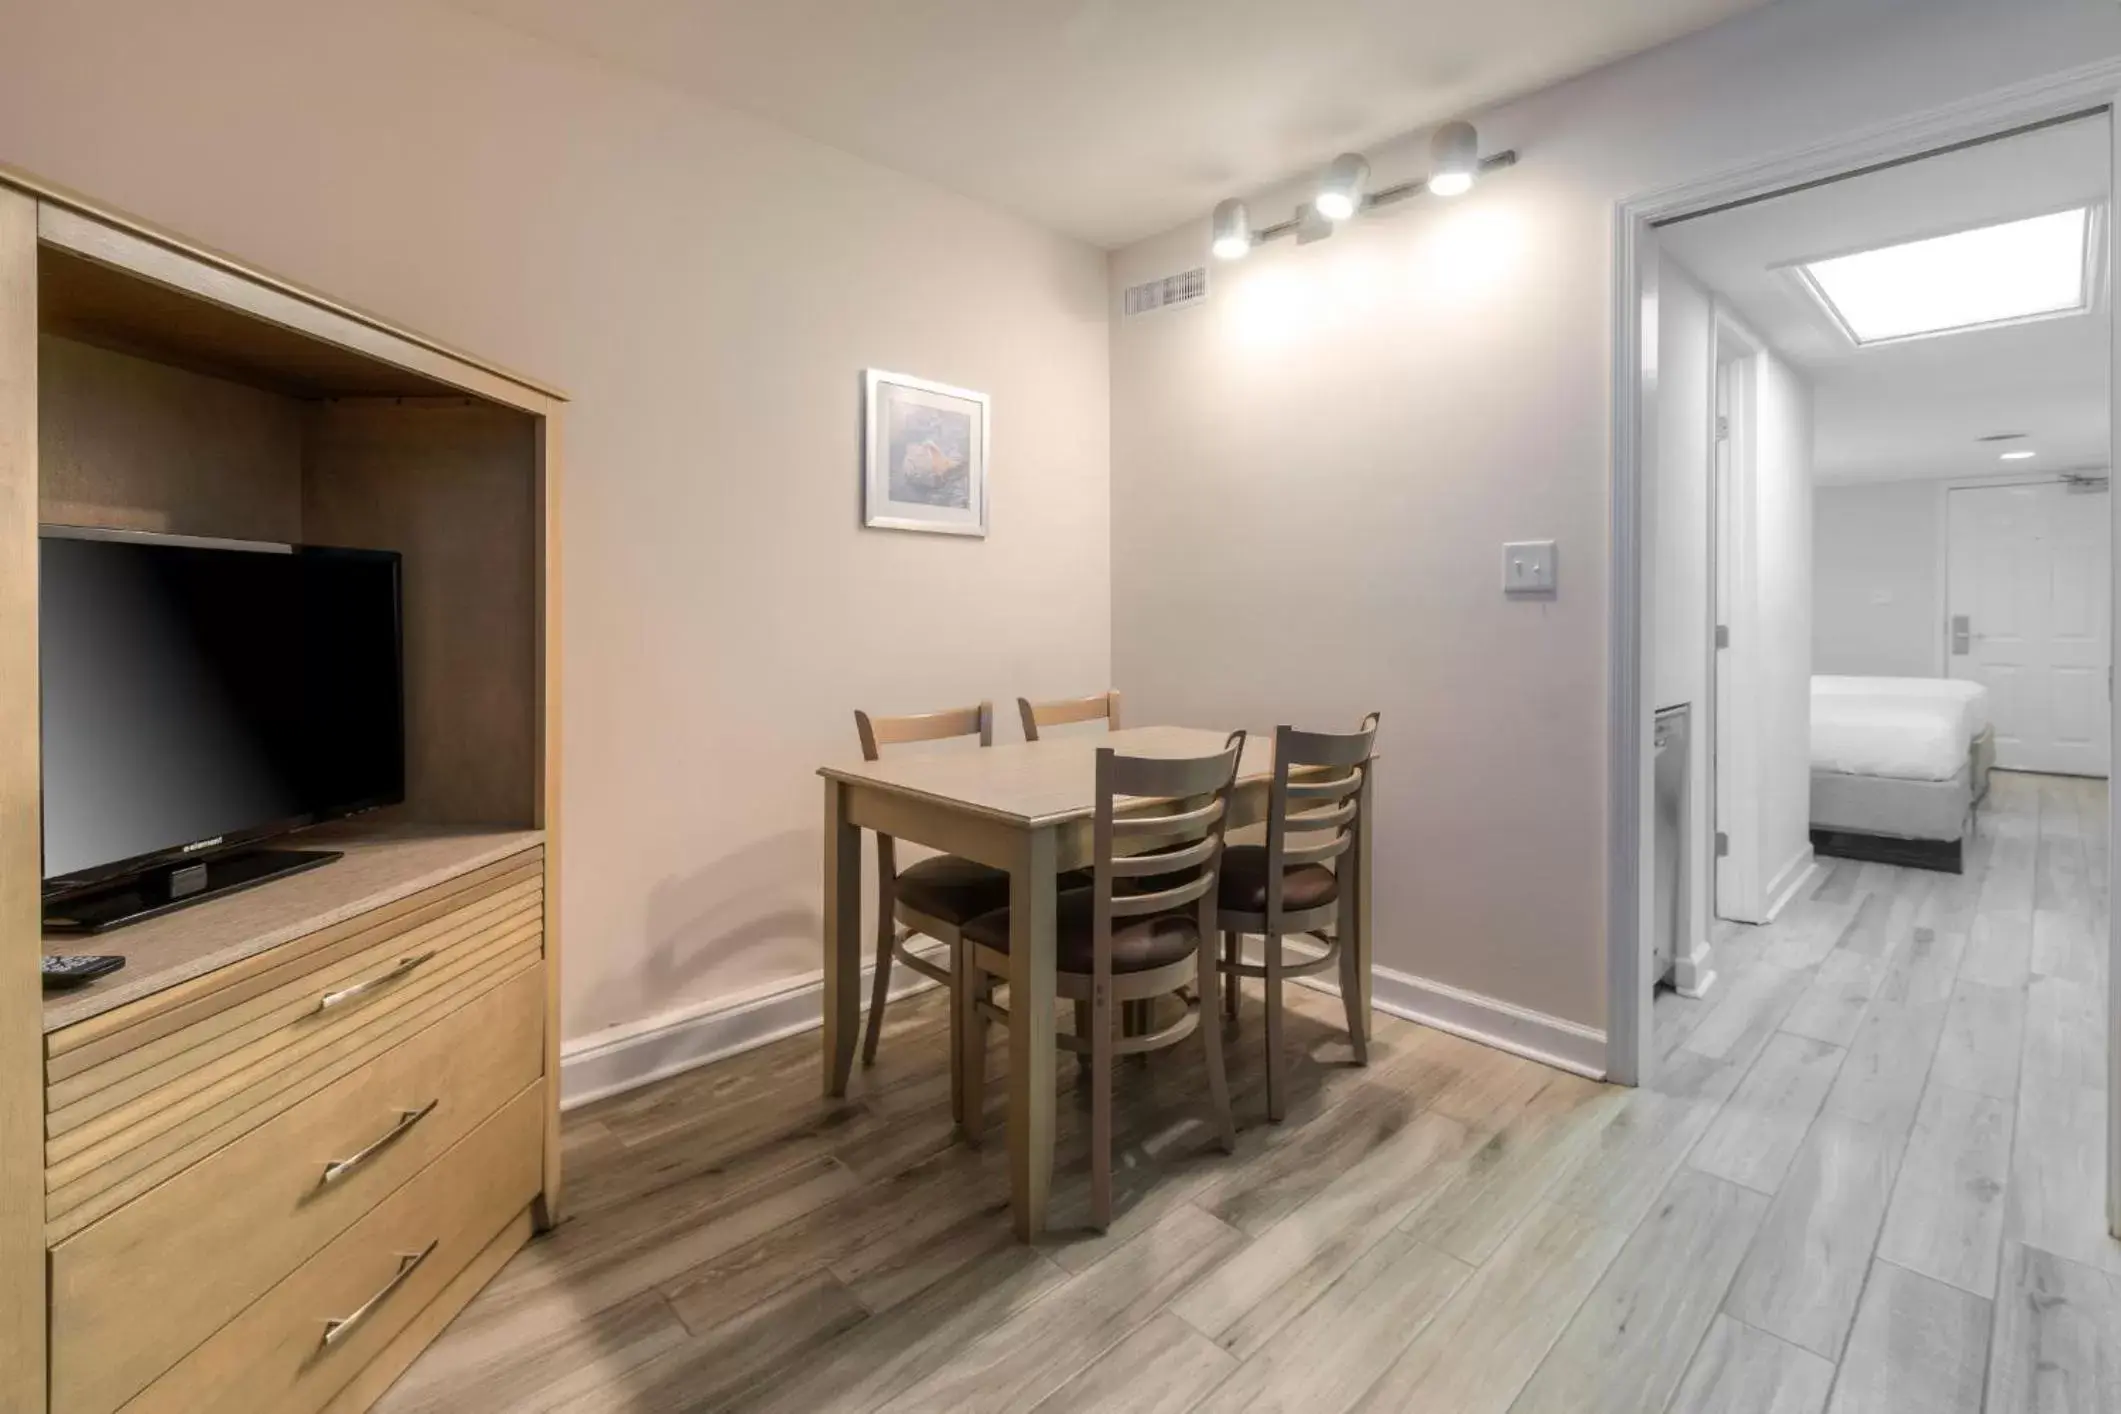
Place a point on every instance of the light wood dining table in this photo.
(1024, 808)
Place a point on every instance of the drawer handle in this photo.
(339, 1168)
(408, 1263)
(358, 990)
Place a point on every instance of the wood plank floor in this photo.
(1867, 1177)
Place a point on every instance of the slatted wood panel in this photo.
(280, 1016)
(133, 1293)
(283, 1014)
(294, 1017)
(190, 968)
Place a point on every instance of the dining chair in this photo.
(1283, 888)
(1102, 707)
(1113, 945)
(932, 898)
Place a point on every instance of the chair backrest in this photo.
(1327, 805)
(1105, 706)
(880, 732)
(1185, 834)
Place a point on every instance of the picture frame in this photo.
(924, 455)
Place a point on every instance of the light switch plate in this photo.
(1528, 568)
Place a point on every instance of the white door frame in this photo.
(1629, 691)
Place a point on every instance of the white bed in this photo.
(1897, 766)
(1964, 703)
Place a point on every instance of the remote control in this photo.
(61, 973)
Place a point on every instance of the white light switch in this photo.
(1528, 567)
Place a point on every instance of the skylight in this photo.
(2018, 270)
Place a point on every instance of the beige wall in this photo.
(1314, 473)
(708, 289)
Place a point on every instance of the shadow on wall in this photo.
(747, 911)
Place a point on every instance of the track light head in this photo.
(1340, 189)
(1231, 229)
(1454, 159)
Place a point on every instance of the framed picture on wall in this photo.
(924, 455)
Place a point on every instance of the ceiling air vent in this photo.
(1186, 287)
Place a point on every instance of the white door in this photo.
(2028, 617)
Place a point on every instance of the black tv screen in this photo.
(198, 694)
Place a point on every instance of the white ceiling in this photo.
(1108, 120)
(1914, 409)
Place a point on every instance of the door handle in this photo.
(1962, 635)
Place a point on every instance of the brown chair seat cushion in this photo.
(1243, 885)
(952, 889)
(1138, 944)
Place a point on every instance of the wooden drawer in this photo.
(375, 1277)
(135, 1291)
(129, 1122)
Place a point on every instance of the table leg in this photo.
(1031, 1049)
(843, 939)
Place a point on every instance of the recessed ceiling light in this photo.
(2000, 274)
(2018, 456)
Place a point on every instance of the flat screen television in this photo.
(200, 697)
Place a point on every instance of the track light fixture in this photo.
(1343, 190)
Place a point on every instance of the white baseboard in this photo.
(1790, 882)
(628, 1057)
(1695, 973)
(1565, 1045)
